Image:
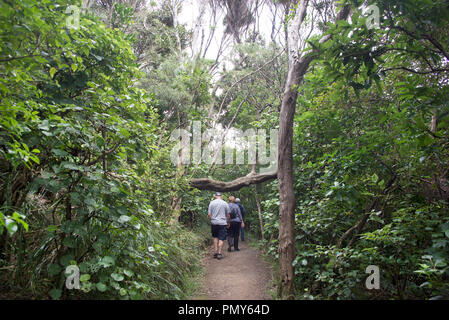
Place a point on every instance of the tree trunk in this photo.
(297, 68)
(285, 157)
(259, 210)
(177, 200)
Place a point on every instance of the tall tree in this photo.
(285, 154)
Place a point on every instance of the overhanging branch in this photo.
(237, 184)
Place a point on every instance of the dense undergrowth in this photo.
(80, 168)
(371, 188)
(371, 160)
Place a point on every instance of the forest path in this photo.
(241, 275)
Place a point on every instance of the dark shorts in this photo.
(218, 232)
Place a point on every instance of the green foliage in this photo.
(257, 81)
(87, 180)
(411, 36)
(80, 162)
(11, 223)
(370, 180)
(360, 159)
(182, 89)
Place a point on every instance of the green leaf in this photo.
(117, 277)
(85, 277)
(54, 269)
(124, 132)
(107, 261)
(123, 291)
(99, 58)
(52, 71)
(124, 218)
(90, 202)
(135, 295)
(129, 273)
(59, 153)
(52, 228)
(69, 165)
(70, 242)
(11, 226)
(66, 259)
(101, 287)
(55, 294)
(86, 286)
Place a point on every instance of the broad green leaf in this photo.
(107, 261)
(85, 277)
(117, 277)
(101, 287)
(55, 294)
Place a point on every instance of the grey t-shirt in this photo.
(218, 210)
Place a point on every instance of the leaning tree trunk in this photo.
(297, 67)
(182, 116)
(285, 158)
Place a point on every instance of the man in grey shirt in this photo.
(219, 216)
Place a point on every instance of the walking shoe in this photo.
(219, 256)
(237, 249)
(229, 249)
(215, 255)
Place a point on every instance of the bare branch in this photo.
(237, 184)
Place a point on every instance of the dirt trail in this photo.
(241, 275)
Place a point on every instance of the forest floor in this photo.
(241, 275)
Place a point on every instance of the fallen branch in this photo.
(237, 184)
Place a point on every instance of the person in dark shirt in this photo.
(242, 211)
(236, 224)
